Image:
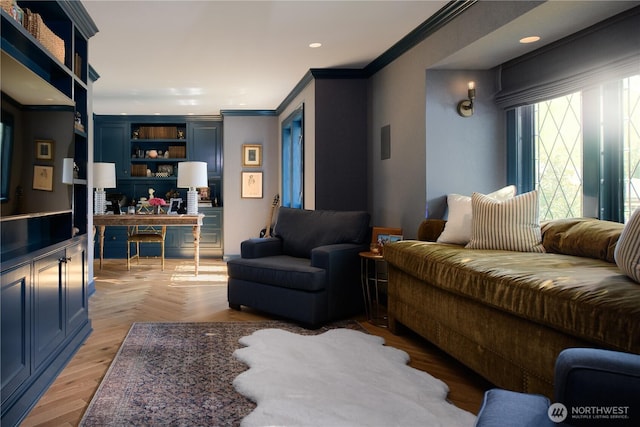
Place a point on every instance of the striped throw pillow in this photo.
(510, 225)
(627, 253)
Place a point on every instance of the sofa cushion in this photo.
(587, 237)
(282, 271)
(302, 230)
(583, 297)
(510, 224)
(458, 227)
(627, 253)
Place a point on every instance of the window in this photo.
(581, 151)
(293, 160)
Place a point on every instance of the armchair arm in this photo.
(258, 248)
(606, 381)
(342, 266)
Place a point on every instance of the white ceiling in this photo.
(180, 57)
(198, 57)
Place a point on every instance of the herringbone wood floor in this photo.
(146, 294)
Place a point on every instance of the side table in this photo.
(373, 276)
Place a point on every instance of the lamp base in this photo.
(99, 202)
(192, 202)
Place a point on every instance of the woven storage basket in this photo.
(158, 132)
(138, 170)
(177, 152)
(35, 25)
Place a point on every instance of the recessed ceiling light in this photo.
(530, 39)
(314, 45)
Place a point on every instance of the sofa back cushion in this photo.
(586, 237)
(627, 253)
(302, 230)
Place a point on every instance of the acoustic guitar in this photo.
(266, 232)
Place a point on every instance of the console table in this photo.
(195, 221)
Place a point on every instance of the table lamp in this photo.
(104, 176)
(192, 175)
(67, 171)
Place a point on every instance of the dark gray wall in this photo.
(29, 126)
(341, 144)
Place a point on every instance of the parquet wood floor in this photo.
(147, 294)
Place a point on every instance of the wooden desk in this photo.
(102, 221)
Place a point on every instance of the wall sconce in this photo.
(192, 175)
(465, 107)
(104, 176)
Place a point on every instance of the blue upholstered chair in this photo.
(308, 272)
(595, 387)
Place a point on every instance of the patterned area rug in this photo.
(180, 374)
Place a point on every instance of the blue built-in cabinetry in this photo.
(43, 250)
(146, 151)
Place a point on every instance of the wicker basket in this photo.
(35, 25)
(138, 170)
(177, 152)
(158, 132)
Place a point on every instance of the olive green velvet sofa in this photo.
(507, 315)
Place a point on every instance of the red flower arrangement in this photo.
(157, 201)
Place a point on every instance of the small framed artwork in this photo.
(43, 178)
(251, 185)
(174, 206)
(44, 149)
(251, 155)
(395, 238)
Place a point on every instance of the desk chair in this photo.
(145, 234)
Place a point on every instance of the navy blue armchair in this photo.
(308, 272)
(592, 387)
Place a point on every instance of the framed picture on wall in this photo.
(251, 185)
(44, 149)
(43, 178)
(251, 155)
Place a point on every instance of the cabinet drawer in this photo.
(212, 220)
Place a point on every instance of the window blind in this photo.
(605, 51)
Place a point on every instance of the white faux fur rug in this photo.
(339, 378)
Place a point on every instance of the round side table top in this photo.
(371, 255)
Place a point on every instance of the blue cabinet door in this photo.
(205, 145)
(15, 311)
(76, 286)
(111, 145)
(49, 305)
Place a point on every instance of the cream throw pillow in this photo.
(627, 253)
(457, 230)
(510, 225)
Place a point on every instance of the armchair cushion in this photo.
(328, 227)
(282, 271)
(507, 408)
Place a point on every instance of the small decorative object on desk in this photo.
(157, 202)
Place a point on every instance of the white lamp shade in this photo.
(192, 174)
(104, 175)
(67, 171)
